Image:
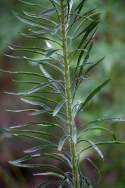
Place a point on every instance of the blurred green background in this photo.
(109, 43)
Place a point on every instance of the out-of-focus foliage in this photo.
(9, 26)
(110, 43)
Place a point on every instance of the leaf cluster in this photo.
(46, 96)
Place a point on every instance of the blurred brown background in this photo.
(109, 43)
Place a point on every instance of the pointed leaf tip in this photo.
(58, 108)
(93, 94)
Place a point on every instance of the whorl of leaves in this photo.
(46, 95)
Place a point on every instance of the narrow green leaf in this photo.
(41, 17)
(40, 124)
(26, 82)
(87, 42)
(65, 158)
(62, 142)
(77, 11)
(54, 4)
(40, 139)
(36, 103)
(58, 108)
(82, 132)
(94, 146)
(48, 11)
(80, 6)
(22, 73)
(58, 86)
(41, 148)
(87, 31)
(33, 90)
(45, 73)
(46, 183)
(50, 174)
(28, 21)
(22, 110)
(117, 142)
(43, 133)
(56, 156)
(41, 98)
(93, 66)
(103, 119)
(23, 159)
(50, 52)
(19, 163)
(29, 3)
(26, 50)
(93, 93)
(85, 59)
(95, 166)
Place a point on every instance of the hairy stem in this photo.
(68, 96)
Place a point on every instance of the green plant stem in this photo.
(68, 96)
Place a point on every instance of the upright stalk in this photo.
(68, 96)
